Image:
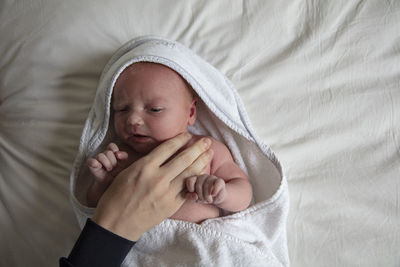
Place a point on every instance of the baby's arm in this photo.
(227, 187)
(104, 168)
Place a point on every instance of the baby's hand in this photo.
(206, 188)
(105, 166)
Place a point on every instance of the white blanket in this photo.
(253, 237)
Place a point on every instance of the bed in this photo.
(320, 81)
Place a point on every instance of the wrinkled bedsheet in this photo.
(319, 81)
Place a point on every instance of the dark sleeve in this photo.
(97, 246)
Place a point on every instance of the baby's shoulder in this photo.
(221, 151)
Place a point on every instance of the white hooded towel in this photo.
(253, 237)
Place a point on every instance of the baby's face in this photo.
(151, 104)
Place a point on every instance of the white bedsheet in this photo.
(319, 80)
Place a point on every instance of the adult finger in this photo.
(164, 151)
(186, 158)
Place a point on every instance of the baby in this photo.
(152, 103)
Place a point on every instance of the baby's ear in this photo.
(192, 112)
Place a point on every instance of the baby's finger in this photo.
(94, 163)
(104, 161)
(199, 186)
(207, 187)
(96, 168)
(190, 182)
(111, 157)
(218, 186)
(219, 197)
(191, 196)
(199, 164)
(121, 155)
(113, 147)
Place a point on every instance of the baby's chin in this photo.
(143, 149)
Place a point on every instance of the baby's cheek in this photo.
(118, 126)
(121, 134)
(166, 129)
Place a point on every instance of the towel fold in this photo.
(253, 237)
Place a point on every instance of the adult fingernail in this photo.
(207, 142)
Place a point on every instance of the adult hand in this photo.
(151, 189)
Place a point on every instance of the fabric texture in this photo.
(255, 236)
(96, 246)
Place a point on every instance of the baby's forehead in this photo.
(148, 66)
(151, 69)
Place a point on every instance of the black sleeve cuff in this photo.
(97, 246)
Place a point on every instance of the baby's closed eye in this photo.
(156, 109)
(120, 109)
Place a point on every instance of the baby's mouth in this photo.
(138, 138)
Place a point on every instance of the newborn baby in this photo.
(152, 103)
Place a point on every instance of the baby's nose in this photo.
(134, 119)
